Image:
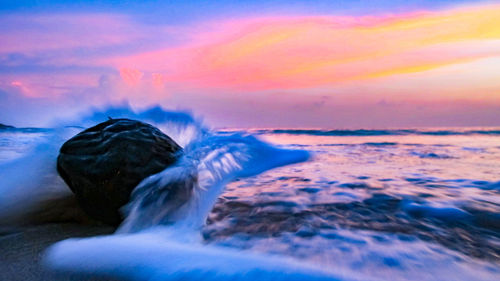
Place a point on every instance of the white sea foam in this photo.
(155, 255)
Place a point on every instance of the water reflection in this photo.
(438, 189)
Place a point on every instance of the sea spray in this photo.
(30, 184)
(181, 126)
(180, 198)
(199, 178)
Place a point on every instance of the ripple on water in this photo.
(471, 231)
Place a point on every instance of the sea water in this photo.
(404, 204)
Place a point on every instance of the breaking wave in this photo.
(366, 208)
(160, 236)
(363, 132)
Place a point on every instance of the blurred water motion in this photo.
(404, 206)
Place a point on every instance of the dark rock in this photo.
(3, 127)
(103, 164)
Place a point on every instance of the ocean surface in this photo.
(402, 204)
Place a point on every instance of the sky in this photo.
(267, 64)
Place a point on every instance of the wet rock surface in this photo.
(103, 164)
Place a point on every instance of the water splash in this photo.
(30, 183)
(185, 194)
(161, 231)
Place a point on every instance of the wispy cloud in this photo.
(353, 59)
(301, 52)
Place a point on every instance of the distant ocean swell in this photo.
(151, 115)
(363, 132)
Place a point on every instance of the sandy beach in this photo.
(22, 249)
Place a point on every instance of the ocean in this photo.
(372, 204)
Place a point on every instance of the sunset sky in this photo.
(331, 64)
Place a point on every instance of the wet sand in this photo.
(21, 249)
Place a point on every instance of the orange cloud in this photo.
(313, 51)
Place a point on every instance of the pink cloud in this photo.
(131, 76)
(271, 64)
(302, 52)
